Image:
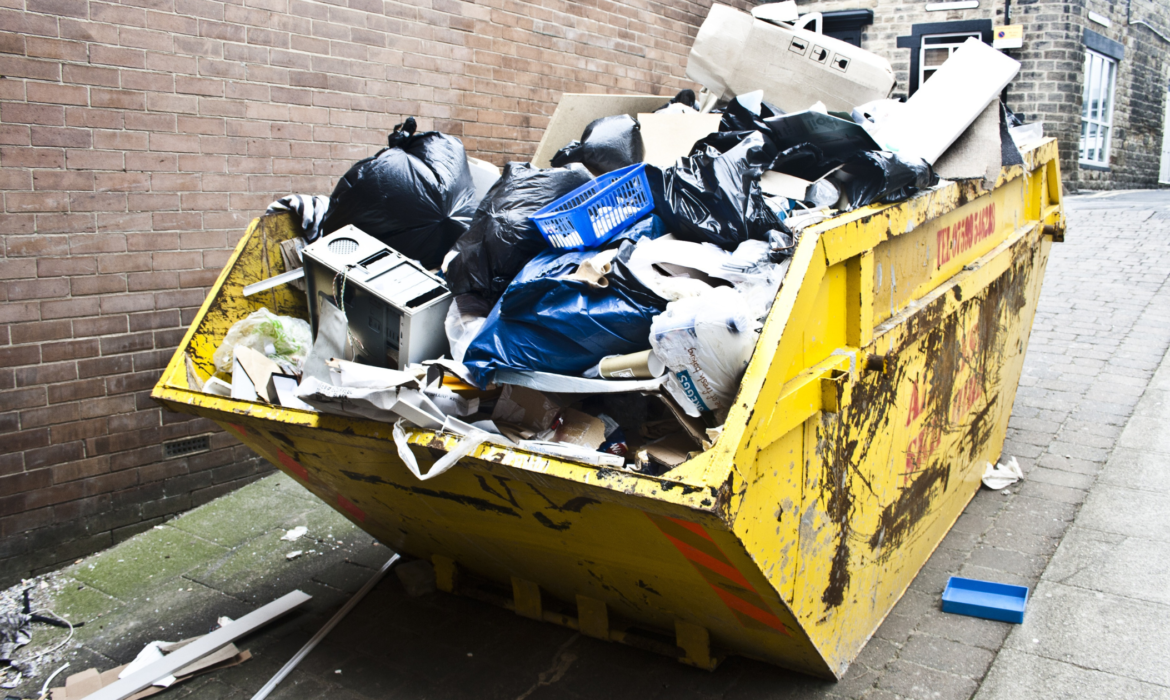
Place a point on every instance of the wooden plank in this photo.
(198, 649)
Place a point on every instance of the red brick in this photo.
(37, 289)
(72, 224)
(22, 398)
(62, 180)
(104, 366)
(94, 118)
(33, 202)
(102, 325)
(12, 312)
(98, 284)
(21, 157)
(43, 47)
(15, 357)
(46, 115)
(84, 307)
(69, 350)
(64, 137)
(94, 160)
(122, 182)
(41, 331)
(41, 417)
(57, 94)
(62, 267)
(112, 56)
(75, 391)
(117, 99)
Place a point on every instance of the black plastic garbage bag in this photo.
(714, 197)
(881, 176)
(547, 323)
(607, 144)
(685, 98)
(736, 117)
(502, 239)
(803, 161)
(416, 195)
(724, 141)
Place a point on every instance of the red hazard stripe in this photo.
(292, 465)
(351, 508)
(723, 568)
(742, 606)
(239, 429)
(693, 527)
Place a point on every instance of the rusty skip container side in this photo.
(881, 386)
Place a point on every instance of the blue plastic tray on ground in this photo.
(986, 599)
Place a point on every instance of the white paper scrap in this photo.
(998, 476)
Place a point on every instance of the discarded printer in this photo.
(395, 308)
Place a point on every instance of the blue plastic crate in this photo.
(596, 211)
(986, 599)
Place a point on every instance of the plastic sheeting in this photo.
(416, 196)
(551, 322)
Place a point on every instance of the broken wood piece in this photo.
(194, 651)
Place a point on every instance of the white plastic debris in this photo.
(295, 534)
(998, 476)
(293, 554)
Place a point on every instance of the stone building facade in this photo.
(1130, 36)
(137, 140)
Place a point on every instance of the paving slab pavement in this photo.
(1101, 331)
(1098, 624)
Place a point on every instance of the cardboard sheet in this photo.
(577, 110)
(976, 154)
(944, 106)
(668, 137)
(527, 408)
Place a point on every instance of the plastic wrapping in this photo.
(607, 144)
(684, 102)
(502, 239)
(715, 197)
(881, 176)
(465, 316)
(706, 343)
(551, 320)
(747, 113)
(281, 338)
(309, 209)
(416, 196)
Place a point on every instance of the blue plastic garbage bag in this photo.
(546, 323)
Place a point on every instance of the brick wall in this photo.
(137, 139)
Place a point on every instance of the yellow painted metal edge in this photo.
(852, 233)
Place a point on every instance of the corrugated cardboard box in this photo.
(735, 53)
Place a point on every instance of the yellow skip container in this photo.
(881, 386)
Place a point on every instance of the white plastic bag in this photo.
(706, 342)
(464, 318)
(281, 338)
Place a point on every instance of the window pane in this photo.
(1107, 94)
(935, 57)
(1095, 91)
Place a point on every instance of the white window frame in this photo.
(958, 40)
(1164, 171)
(1097, 109)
